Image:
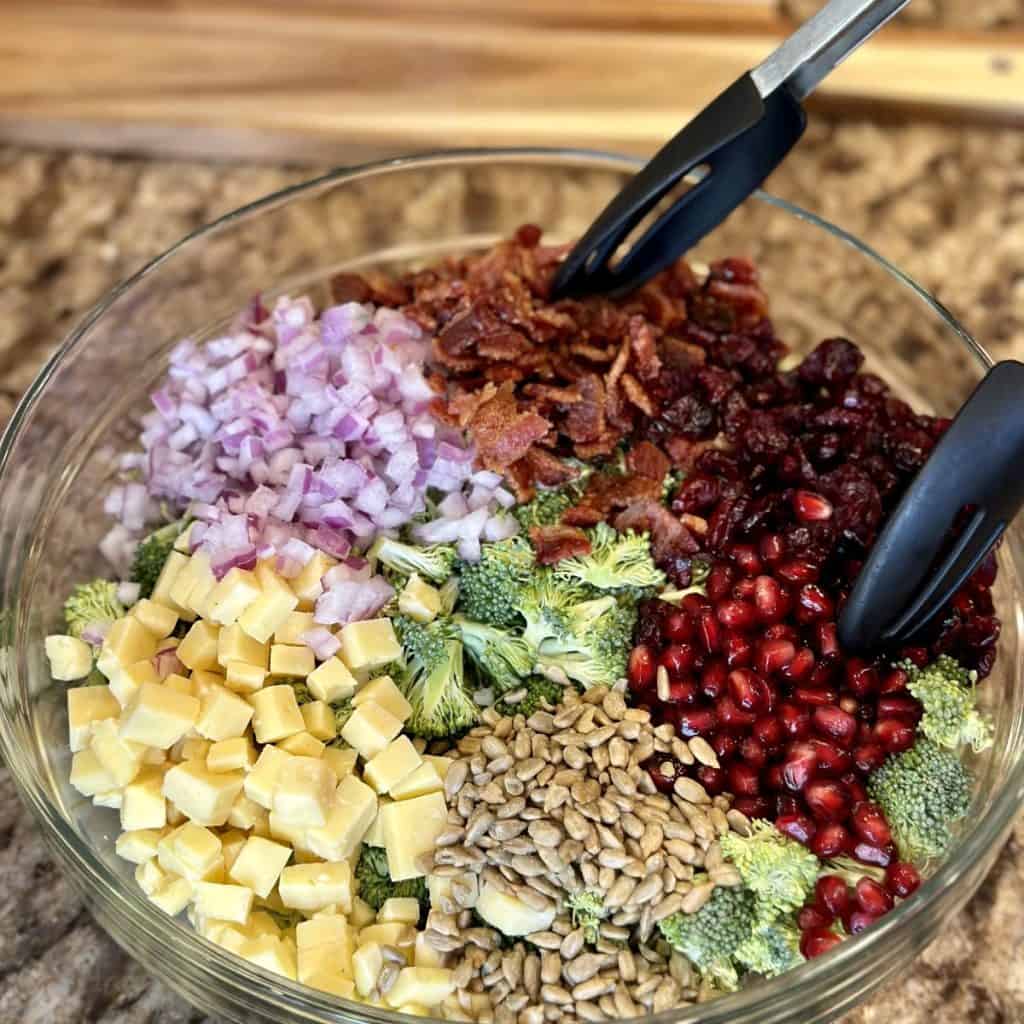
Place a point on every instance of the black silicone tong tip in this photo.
(978, 464)
(740, 138)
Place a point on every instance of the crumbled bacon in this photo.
(553, 543)
(502, 433)
(670, 540)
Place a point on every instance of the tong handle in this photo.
(980, 463)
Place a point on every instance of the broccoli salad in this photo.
(474, 655)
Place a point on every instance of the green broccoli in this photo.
(285, 919)
(946, 691)
(923, 792)
(298, 684)
(342, 713)
(374, 883)
(549, 505)
(772, 950)
(151, 554)
(503, 659)
(586, 906)
(617, 562)
(94, 604)
(490, 590)
(540, 691)
(711, 937)
(434, 563)
(432, 678)
(699, 572)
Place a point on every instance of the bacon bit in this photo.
(349, 288)
(636, 394)
(548, 469)
(682, 355)
(644, 345)
(550, 394)
(685, 453)
(502, 433)
(585, 421)
(462, 408)
(553, 543)
(595, 355)
(670, 539)
(619, 366)
(648, 460)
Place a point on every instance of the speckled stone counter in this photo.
(947, 205)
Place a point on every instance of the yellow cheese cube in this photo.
(231, 843)
(204, 680)
(138, 846)
(287, 832)
(315, 886)
(509, 914)
(190, 850)
(150, 876)
(259, 865)
(176, 562)
(375, 833)
(154, 756)
(331, 681)
(204, 796)
(261, 923)
(261, 782)
(369, 644)
(126, 683)
(234, 644)
(307, 585)
(89, 776)
(121, 758)
(235, 592)
(271, 954)
(427, 986)
(158, 716)
(384, 692)
(193, 582)
(367, 963)
(355, 807)
(172, 896)
(174, 816)
(304, 791)
(439, 888)
(389, 933)
(180, 684)
(411, 827)
(394, 763)
(277, 713)
(129, 641)
(291, 660)
(244, 678)
(341, 760)
(183, 542)
(223, 714)
(88, 704)
(302, 744)
(290, 631)
(419, 600)
(223, 902)
(69, 657)
(415, 1010)
(324, 943)
(246, 814)
(319, 719)
(159, 619)
(331, 982)
(420, 782)
(370, 729)
(113, 799)
(199, 648)
(399, 910)
(231, 755)
(192, 748)
(424, 954)
(442, 764)
(142, 803)
(361, 913)
(270, 610)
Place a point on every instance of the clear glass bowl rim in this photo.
(257, 990)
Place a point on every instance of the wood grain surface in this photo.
(326, 79)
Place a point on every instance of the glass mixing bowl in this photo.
(58, 453)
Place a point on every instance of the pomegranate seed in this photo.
(850, 705)
(868, 853)
(770, 601)
(894, 682)
(872, 897)
(712, 779)
(682, 692)
(712, 679)
(898, 707)
(746, 558)
(785, 803)
(832, 760)
(768, 731)
(731, 715)
(724, 745)
(678, 659)
(861, 678)
(719, 582)
(811, 507)
(859, 920)
(868, 756)
(774, 779)
(827, 640)
(678, 627)
(738, 650)
(801, 666)
(782, 631)
(869, 823)
(744, 779)
(752, 751)
(799, 767)
(795, 721)
(858, 794)
(835, 723)
(815, 697)
(918, 655)
(696, 722)
(823, 674)
(773, 655)
(818, 941)
(747, 690)
(744, 589)
(796, 826)
(813, 604)
(828, 800)
(830, 841)
(832, 893)
(813, 917)
(753, 806)
(902, 879)
(693, 604)
(894, 734)
(642, 668)
(707, 630)
(798, 571)
(772, 548)
(736, 614)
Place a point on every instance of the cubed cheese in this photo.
(509, 914)
(370, 729)
(246, 814)
(319, 719)
(367, 963)
(332, 982)
(142, 801)
(243, 678)
(420, 782)
(180, 684)
(191, 748)
(331, 681)
(277, 713)
(113, 799)
(149, 876)
(231, 755)
(324, 943)
(290, 631)
(183, 542)
(270, 610)
(231, 843)
(261, 782)
(204, 796)
(89, 776)
(259, 865)
(307, 585)
(176, 562)
(204, 680)
(191, 851)
(199, 648)
(200, 582)
(235, 592)
(158, 716)
(312, 887)
(384, 692)
(88, 704)
(69, 657)
(424, 954)
(411, 828)
(439, 888)
(389, 933)
(355, 807)
(138, 846)
(302, 744)
(223, 902)
(154, 756)
(234, 644)
(304, 791)
(361, 913)
(442, 764)
(399, 910)
(172, 896)
(159, 619)
(375, 833)
(271, 954)
(121, 758)
(126, 682)
(129, 641)
(394, 763)
(419, 600)
(223, 714)
(291, 660)
(369, 644)
(287, 832)
(427, 986)
(341, 760)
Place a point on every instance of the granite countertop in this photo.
(945, 204)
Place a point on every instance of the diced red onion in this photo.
(322, 642)
(94, 633)
(127, 593)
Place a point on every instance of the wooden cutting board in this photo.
(331, 80)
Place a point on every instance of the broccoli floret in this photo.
(549, 505)
(617, 562)
(699, 572)
(435, 562)
(151, 554)
(777, 870)
(711, 937)
(93, 603)
(490, 590)
(586, 906)
(540, 691)
(342, 713)
(504, 659)
(285, 919)
(923, 792)
(298, 684)
(946, 691)
(375, 885)
(772, 950)
(432, 678)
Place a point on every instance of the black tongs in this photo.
(738, 141)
